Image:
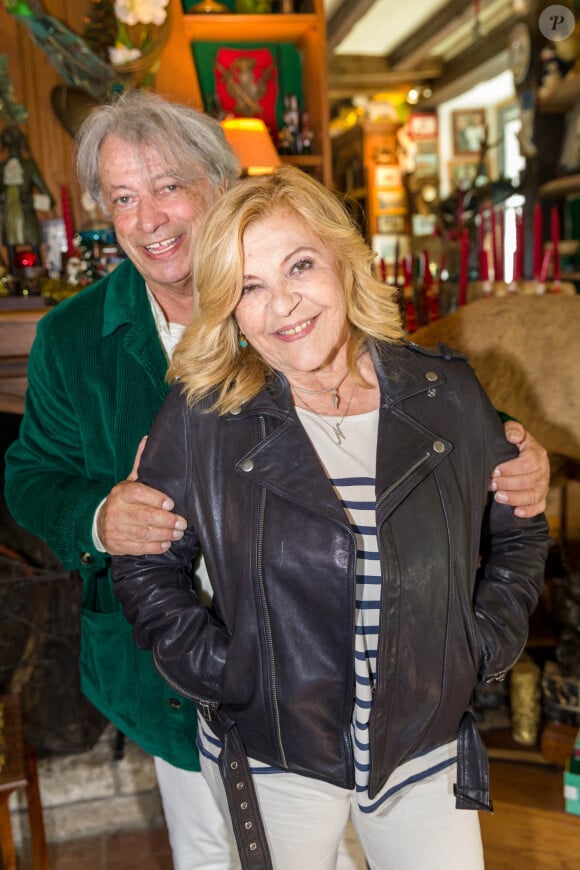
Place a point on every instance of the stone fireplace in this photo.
(91, 781)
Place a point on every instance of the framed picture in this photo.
(388, 246)
(468, 127)
(426, 165)
(391, 223)
(422, 125)
(463, 172)
(389, 200)
(387, 176)
(247, 81)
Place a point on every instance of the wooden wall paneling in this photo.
(33, 77)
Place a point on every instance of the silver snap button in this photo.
(248, 826)
(431, 376)
(236, 411)
(432, 393)
(439, 447)
(253, 847)
(244, 805)
(247, 465)
(234, 765)
(239, 786)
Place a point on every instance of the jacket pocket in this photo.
(119, 678)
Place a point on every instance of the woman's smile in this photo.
(292, 309)
(292, 332)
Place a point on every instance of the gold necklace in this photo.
(338, 433)
(334, 390)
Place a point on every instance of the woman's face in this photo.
(292, 309)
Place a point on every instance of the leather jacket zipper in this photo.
(260, 571)
(384, 574)
(206, 706)
(403, 477)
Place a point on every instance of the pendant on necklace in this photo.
(339, 434)
(335, 398)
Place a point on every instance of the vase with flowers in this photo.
(143, 28)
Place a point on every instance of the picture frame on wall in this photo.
(426, 164)
(423, 125)
(468, 130)
(463, 172)
(390, 223)
(387, 176)
(392, 201)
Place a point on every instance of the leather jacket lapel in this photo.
(286, 463)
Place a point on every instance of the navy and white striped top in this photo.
(351, 467)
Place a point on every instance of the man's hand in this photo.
(136, 519)
(522, 482)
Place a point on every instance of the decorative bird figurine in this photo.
(66, 50)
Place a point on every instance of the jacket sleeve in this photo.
(511, 576)
(46, 485)
(189, 644)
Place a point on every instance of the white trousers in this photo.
(200, 837)
(305, 822)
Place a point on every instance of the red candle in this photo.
(483, 265)
(537, 242)
(67, 218)
(408, 295)
(463, 264)
(383, 269)
(555, 224)
(545, 265)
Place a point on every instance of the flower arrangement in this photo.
(137, 29)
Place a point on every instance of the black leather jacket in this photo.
(275, 653)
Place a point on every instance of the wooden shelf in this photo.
(17, 332)
(177, 76)
(249, 28)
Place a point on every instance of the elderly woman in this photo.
(335, 477)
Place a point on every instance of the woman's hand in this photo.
(135, 519)
(522, 482)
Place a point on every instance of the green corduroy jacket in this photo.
(96, 380)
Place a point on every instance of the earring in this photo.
(243, 341)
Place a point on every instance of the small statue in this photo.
(19, 176)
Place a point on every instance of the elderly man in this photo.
(96, 382)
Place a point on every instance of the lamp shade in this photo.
(251, 141)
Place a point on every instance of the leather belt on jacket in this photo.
(242, 799)
(472, 787)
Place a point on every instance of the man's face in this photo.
(156, 217)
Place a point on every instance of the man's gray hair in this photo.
(191, 142)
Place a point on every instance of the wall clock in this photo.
(520, 52)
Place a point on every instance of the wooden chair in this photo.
(18, 770)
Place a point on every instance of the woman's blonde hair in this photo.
(209, 359)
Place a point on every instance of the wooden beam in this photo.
(345, 83)
(343, 20)
(441, 25)
(478, 53)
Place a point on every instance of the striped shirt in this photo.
(351, 468)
